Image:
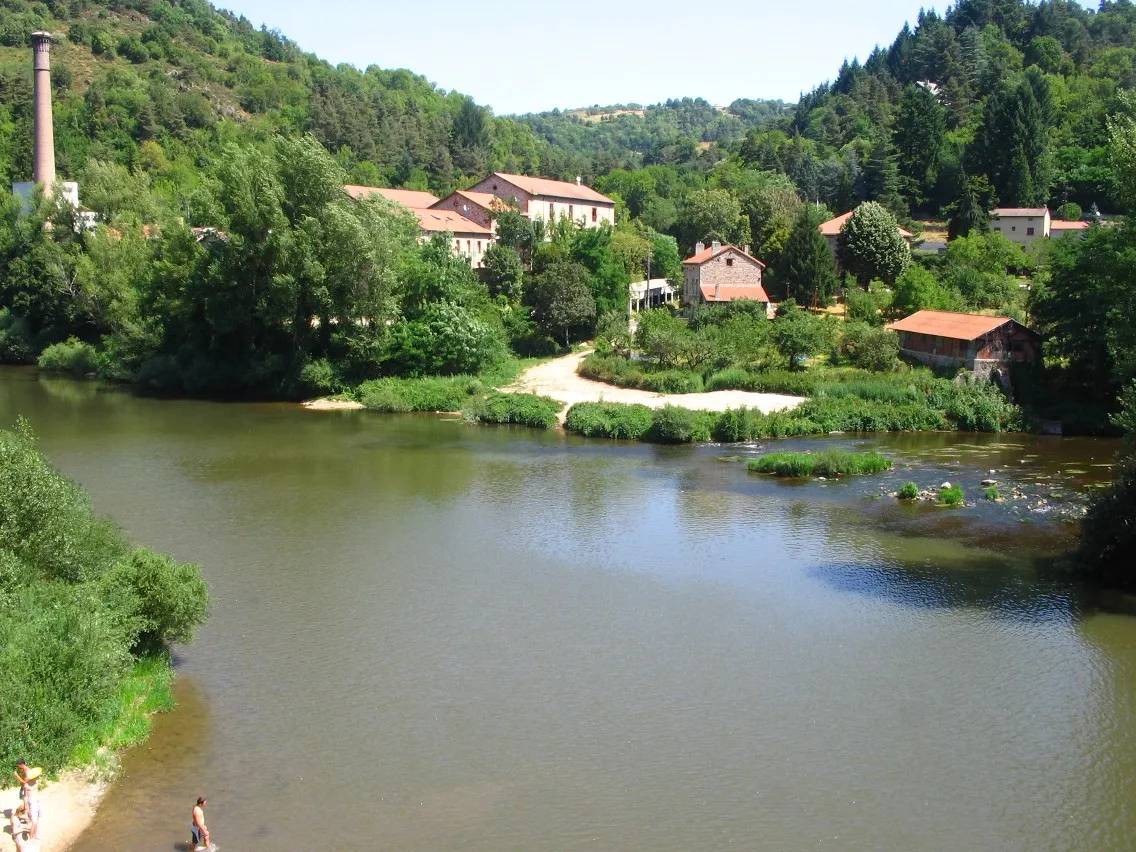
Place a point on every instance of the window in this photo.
(467, 245)
(1029, 232)
(1013, 227)
(494, 187)
(479, 246)
(571, 213)
(595, 214)
(729, 261)
(551, 211)
(457, 245)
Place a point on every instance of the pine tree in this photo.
(808, 269)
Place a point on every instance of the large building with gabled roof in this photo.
(976, 342)
(550, 200)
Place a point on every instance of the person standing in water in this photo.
(199, 831)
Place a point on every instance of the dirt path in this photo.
(68, 807)
(558, 379)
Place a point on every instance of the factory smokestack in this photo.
(43, 167)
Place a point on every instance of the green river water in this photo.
(428, 635)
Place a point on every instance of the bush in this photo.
(674, 425)
(320, 376)
(1069, 212)
(169, 599)
(870, 348)
(952, 495)
(71, 356)
(525, 409)
(908, 491)
(609, 420)
(75, 600)
(828, 463)
(435, 393)
(16, 344)
(992, 493)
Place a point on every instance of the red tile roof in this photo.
(411, 198)
(950, 324)
(709, 254)
(734, 292)
(1067, 225)
(447, 220)
(1019, 211)
(832, 227)
(554, 188)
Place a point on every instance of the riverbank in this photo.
(560, 380)
(69, 806)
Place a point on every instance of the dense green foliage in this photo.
(80, 611)
(827, 463)
(524, 409)
(908, 491)
(951, 495)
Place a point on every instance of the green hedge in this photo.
(525, 409)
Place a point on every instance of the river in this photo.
(428, 635)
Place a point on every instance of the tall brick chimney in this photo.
(43, 167)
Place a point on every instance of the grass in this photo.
(146, 690)
(952, 495)
(991, 492)
(525, 409)
(438, 393)
(908, 491)
(829, 463)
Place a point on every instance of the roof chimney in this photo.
(578, 180)
(43, 163)
(746, 248)
(699, 247)
(715, 246)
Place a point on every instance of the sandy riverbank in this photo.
(326, 404)
(69, 805)
(558, 379)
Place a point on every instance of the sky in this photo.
(534, 55)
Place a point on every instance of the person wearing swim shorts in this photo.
(198, 830)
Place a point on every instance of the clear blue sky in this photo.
(534, 55)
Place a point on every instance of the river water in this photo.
(433, 636)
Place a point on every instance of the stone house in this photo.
(720, 274)
(540, 198)
(984, 345)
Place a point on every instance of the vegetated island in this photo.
(86, 625)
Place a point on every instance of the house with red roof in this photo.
(720, 274)
(549, 200)
(982, 344)
(479, 207)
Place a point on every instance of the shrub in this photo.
(908, 491)
(992, 493)
(169, 599)
(609, 420)
(871, 348)
(672, 381)
(320, 376)
(828, 463)
(731, 378)
(16, 344)
(525, 409)
(672, 424)
(436, 393)
(952, 495)
(71, 356)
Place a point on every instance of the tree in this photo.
(920, 128)
(713, 214)
(562, 301)
(1012, 145)
(807, 270)
(504, 271)
(797, 334)
(870, 245)
(1122, 148)
(969, 212)
(918, 289)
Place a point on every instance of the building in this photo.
(1064, 228)
(985, 345)
(549, 200)
(1021, 225)
(470, 239)
(479, 207)
(720, 274)
(830, 230)
(644, 295)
